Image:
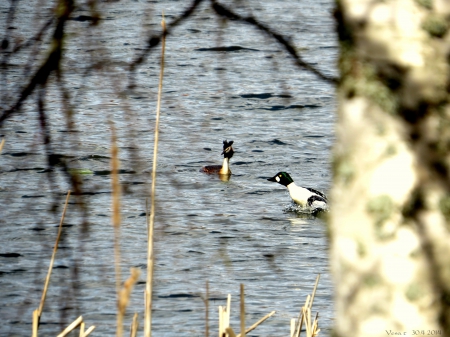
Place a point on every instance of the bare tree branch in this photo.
(51, 64)
(154, 40)
(223, 11)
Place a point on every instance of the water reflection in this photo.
(224, 177)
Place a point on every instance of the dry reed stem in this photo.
(35, 323)
(71, 327)
(115, 184)
(307, 314)
(242, 311)
(134, 325)
(82, 326)
(308, 304)
(88, 331)
(1, 144)
(230, 332)
(254, 326)
(228, 312)
(52, 260)
(124, 293)
(311, 328)
(221, 325)
(293, 324)
(207, 310)
(308, 301)
(150, 255)
(302, 317)
(315, 329)
(298, 325)
(314, 290)
(224, 317)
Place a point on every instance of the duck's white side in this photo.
(304, 197)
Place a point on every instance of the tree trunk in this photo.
(389, 225)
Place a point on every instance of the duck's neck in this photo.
(225, 166)
(291, 185)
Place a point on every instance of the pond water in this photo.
(225, 232)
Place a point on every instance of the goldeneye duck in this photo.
(223, 169)
(303, 196)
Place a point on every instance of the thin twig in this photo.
(150, 256)
(50, 267)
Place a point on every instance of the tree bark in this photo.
(389, 225)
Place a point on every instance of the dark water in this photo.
(280, 118)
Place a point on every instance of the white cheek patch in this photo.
(277, 179)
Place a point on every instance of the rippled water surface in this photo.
(224, 232)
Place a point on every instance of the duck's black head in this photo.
(227, 149)
(282, 178)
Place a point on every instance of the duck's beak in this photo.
(272, 179)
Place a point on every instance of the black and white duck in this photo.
(303, 196)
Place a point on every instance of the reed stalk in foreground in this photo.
(134, 325)
(125, 292)
(305, 316)
(71, 327)
(242, 311)
(225, 330)
(52, 260)
(78, 322)
(1, 144)
(150, 255)
(312, 328)
(115, 184)
(206, 300)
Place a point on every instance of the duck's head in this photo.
(227, 149)
(282, 178)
